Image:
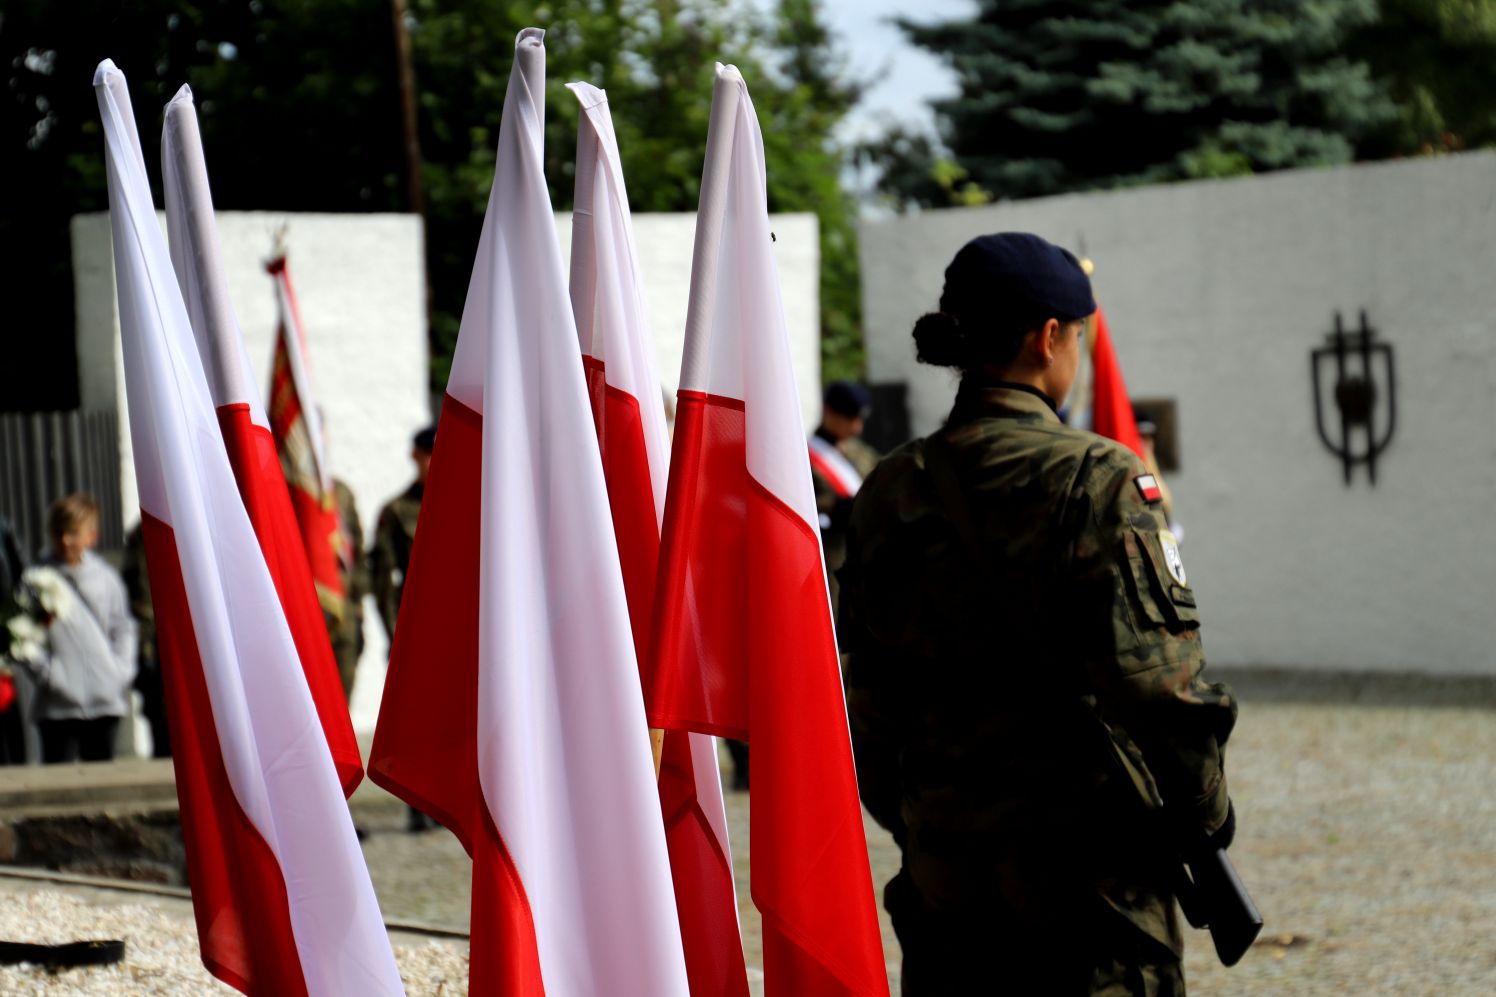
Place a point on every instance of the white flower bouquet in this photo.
(42, 598)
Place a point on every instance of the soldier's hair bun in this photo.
(940, 341)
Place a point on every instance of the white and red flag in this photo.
(282, 896)
(743, 641)
(246, 430)
(296, 425)
(512, 709)
(607, 296)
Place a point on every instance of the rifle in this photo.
(1212, 896)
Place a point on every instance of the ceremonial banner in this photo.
(512, 710)
(607, 297)
(246, 431)
(743, 642)
(279, 887)
(296, 423)
(1111, 409)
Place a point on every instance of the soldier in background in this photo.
(389, 559)
(395, 533)
(839, 460)
(346, 627)
(1023, 675)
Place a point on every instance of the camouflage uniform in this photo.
(148, 680)
(1026, 708)
(389, 559)
(346, 627)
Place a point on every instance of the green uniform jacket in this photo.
(1023, 675)
(389, 558)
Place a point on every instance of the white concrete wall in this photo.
(1216, 292)
(358, 283)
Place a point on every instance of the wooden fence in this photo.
(45, 455)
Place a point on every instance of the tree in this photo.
(1439, 60)
(1059, 95)
(300, 110)
(656, 60)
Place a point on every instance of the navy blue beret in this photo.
(848, 398)
(1017, 274)
(425, 439)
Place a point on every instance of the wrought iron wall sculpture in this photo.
(1356, 357)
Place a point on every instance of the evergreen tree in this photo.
(1439, 59)
(1059, 95)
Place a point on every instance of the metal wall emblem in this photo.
(1364, 392)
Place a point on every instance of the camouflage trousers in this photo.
(1097, 955)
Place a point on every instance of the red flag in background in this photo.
(1111, 408)
(245, 428)
(607, 296)
(296, 423)
(743, 643)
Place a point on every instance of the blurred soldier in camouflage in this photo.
(389, 559)
(839, 460)
(345, 622)
(395, 532)
(1024, 666)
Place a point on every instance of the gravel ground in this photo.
(1367, 835)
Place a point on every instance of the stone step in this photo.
(87, 787)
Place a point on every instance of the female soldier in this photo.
(1023, 680)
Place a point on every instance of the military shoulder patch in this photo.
(1172, 560)
(1148, 488)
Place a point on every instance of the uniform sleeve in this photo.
(1146, 672)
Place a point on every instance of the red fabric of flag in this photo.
(1111, 408)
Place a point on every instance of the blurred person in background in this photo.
(346, 627)
(389, 559)
(84, 678)
(12, 720)
(1148, 433)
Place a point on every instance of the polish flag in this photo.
(607, 297)
(296, 425)
(241, 416)
(1111, 409)
(282, 896)
(743, 644)
(512, 709)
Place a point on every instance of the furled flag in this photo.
(743, 642)
(241, 416)
(512, 709)
(296, 423)
(1111, 409)
(607, 297)
(282, 896)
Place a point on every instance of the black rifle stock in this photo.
(1212, 896)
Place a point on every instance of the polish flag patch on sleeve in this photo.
(1148, 488)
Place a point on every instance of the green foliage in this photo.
(300, 111)
(1439, 59)
(1059, 95)
(657, 62)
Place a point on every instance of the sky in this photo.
(904, 77)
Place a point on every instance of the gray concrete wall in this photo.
(1216, 292)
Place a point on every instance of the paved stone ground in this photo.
(1368, 836)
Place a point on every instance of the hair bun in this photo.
(940, 341)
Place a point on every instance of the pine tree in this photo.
(1060, 95)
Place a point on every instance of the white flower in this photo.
(52, 590)
(26, 638)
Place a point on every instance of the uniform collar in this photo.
(985, 398)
